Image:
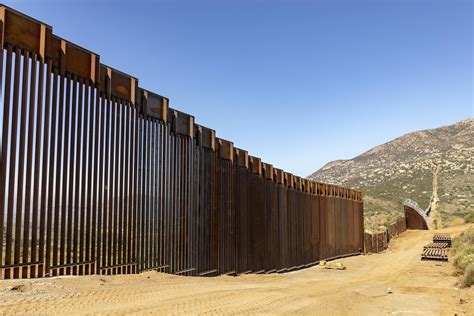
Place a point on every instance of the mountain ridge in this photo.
(416, 165)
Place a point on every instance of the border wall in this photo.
(101, 176)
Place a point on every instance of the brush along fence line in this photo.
(100, 176)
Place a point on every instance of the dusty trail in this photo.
(419, 287)
(435, 218)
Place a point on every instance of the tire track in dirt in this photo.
(419, 287)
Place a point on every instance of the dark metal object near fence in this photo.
(434, 254)
(442, 238)
(438, 249)
(438, 245)
(99, 176)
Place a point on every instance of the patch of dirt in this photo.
(392, 282)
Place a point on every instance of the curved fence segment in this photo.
(416, 217)
(101, 176)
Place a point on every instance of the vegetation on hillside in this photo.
(413, 166)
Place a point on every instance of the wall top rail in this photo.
(289, 179)
(25, 32)
(152, 104)
(205, 137)
(279, 177)
(267, 169)
(270, 172)
(297, 183)
(181, 123)
(70, 58)
(116, 83)
(256, 164)
(242, 157)
(226, 149)
(307, 185)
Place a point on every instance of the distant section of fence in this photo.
(377, 242)
(100, 176)
(416, 217)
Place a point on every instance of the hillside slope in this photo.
(438, 161)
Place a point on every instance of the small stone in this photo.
(19, 287)
(389, 290)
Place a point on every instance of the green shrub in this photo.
(469, 275)
(463, 248)
(470, 217)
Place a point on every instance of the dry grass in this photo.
(469, 275)
(463, 248)
(470, 217)
(395, 282)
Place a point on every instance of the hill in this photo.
(417, 165)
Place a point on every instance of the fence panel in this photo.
(100, 176)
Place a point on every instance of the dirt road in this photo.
(418, 287)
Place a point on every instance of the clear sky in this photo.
(297, 83)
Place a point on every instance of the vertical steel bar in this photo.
(133, 185)
(148, 192)
(85, 183)
(115, 191)
(13, 170)
(139, 189)
(5, 137)
(43, 135)
(127, 241)
(65, 170)
(121, 233)
(29, 172)
(166, 187)
(158, 229)
(21, 162)
(99, 178)
(151, 192)
(144, 193)
(91, 214)
(51, 171)
(106, 187)
(111, 220)
(77, 250)
(172, 190)
(71, 208)
(92, 177)
(160, 194)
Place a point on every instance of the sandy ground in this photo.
(418, 287)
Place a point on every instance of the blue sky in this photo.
(297, 83)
